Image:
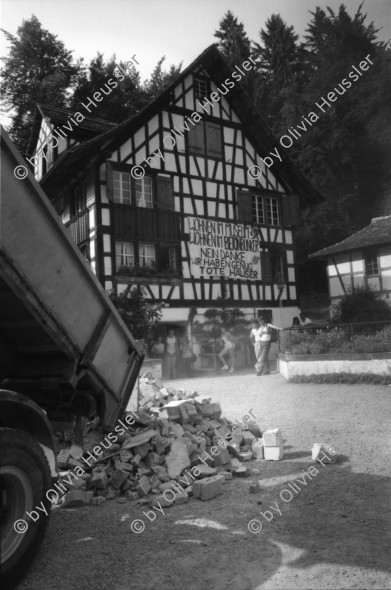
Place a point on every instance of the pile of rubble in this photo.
(175, 441)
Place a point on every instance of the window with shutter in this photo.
(266, 267)
(196, 139)
(258, 209)
(291, 210)
(121, 188)
(200, 88)
(245, 210)
(214, 144)
(165, 193)
(143, 192)
(272, 211)
(124, 255)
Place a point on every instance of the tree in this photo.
(139, 314)
(345, 152)
(160, 79)
(235, 46)
(38, 69)
(233, 41)
(334, 153)
(281, 65)
(129, 96)
(119, 102)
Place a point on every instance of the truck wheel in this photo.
(24, 480)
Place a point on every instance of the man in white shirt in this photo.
(255, 338)
(304, 321)
(262, 365)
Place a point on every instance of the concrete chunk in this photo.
(208, 488)
(177, 459)
(273, 438)
(258, 449)
(273, 453)
(118, 478)
(323, 453)
(77, 497)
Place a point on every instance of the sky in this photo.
(178, 29)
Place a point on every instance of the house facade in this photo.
(169, 199)
(363, 258)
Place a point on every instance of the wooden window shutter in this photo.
(196, 138)
(109, 181)
(266, 267)
(214, 144)
(245, 209)
(165, 193)
(291, 210)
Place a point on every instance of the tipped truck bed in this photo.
(59, 330)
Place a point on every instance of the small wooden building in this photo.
(364, 257)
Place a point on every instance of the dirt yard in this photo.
(333, 533)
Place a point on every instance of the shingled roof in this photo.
(375, 234)
(89, 127)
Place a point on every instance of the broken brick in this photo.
(62, 458)
(177, 459)
(161, 502)
(118, 478)
(98, 500)
(254, 487)
(99, 480)
(222, 458)
(273, 438)
(246, 456)
(208, 488)
(181, 498)
(77, 497)
(132, 495)
(143, 486)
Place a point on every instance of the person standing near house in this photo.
(171, 348)
(158, 348)
(186, 356)
(227, 351)
(305, 322)
(262, 365)
(255, 338)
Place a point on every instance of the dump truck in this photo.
(65, 355)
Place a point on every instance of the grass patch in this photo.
(348, 378)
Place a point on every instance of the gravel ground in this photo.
(332, 533)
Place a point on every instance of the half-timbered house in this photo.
(188, 217)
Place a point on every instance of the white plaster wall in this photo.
(318, 367)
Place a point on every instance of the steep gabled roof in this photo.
(89, 127)
(375, 234)
(255, 128)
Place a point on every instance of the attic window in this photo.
(200, 88)
(371, 264)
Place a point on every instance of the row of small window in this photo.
(144, 255)
(265, 210)
(142, 190)
(372, 264)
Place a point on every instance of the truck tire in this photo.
(24, 480)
